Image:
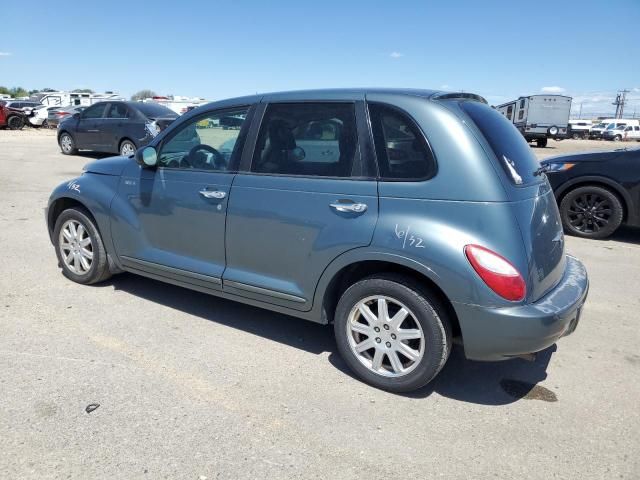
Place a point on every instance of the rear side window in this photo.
(509, 146)
(308, 139)
(95, 111)
(401, 149)
(117, 110)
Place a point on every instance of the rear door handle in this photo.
(217, 194)
(349, 207)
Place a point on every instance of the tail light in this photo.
(62, 114)
(496, 271)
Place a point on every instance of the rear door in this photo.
(88, 127)
(170, 221)
(114, 125)
(296, 208)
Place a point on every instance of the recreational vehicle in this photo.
(539, 117)
(65, 99)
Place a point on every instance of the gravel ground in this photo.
(194, 387)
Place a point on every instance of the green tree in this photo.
(16, 92)
(142, 94)
(4, 91)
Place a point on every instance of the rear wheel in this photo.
(591, 212)
(393, 334)
(79, 247)
(541, 142)
(617, 138)
(67, 144)
(15, 122)
(127, 148)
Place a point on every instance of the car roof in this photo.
(329, 94)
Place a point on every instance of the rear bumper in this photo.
(500, 333)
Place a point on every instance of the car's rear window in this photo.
(509, 146)
(153, 110)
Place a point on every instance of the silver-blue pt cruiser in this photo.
(405, 218)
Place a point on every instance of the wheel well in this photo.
(60, 206)
(125, 139)
(357, 271)
(595, 183)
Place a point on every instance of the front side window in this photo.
(94, 111)
(206, 142)
(309, 139)
(117, 110)
(401, 149)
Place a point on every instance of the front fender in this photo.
(94, 192)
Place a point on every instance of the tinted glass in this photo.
(310, 139)
(206, 142)
(401, 149)
(117, 110)
(154, 110)
(509, 146)
(94, 111)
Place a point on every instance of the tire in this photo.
(426, 317)
(617, 138)
(45, 124)
(576, 136)
(541, 142)
(604, 212)
(67, 144)
(75, 269)
(127, 148)
(15, 122)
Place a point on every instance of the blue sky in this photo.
(499, 49)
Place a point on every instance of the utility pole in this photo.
(580, 113)
(619, 103)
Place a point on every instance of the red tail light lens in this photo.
(499, 275)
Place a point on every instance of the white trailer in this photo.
(66, 99)
(539, 117)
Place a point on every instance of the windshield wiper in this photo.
(543, 169)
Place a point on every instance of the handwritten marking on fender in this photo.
(407, 237)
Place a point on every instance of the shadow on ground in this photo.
(624, 234)
(487, 383)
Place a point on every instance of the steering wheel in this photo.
(200, 161)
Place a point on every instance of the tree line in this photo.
(17, 92)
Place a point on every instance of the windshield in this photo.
(154, 110)
(509, 146)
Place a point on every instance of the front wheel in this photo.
(392, 333)
(591, 212)
(617, 138)
(541, 142)
(79, 247)
(67, 144)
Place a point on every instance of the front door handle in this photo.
(217, 194)
(349, 207)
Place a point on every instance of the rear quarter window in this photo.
(509, 146)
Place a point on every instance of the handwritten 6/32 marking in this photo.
(407, 237)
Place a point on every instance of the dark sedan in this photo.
(113, 127)
(596, 192)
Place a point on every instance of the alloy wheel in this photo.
(127, 149)
(66, 143)
(385, 336)
(590, 212)
(76, 247)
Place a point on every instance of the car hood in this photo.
(108, 166)
(584, 157)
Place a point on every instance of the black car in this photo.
(113, 127)
(596, 192)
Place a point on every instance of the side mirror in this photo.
(147, 157)
(76, 115)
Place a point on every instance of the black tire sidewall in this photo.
(429, 313)
(99, 265)
(614, 221)
(11, 122)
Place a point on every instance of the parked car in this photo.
(595, 132)
(113, 127)
(597, 192)
(57, 114)
(612, 124)
(403, 217)
(11, 118)
(579, 129)
(622, 132)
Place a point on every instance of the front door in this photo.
(170, 221)
(304, 202)
(88, 128)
